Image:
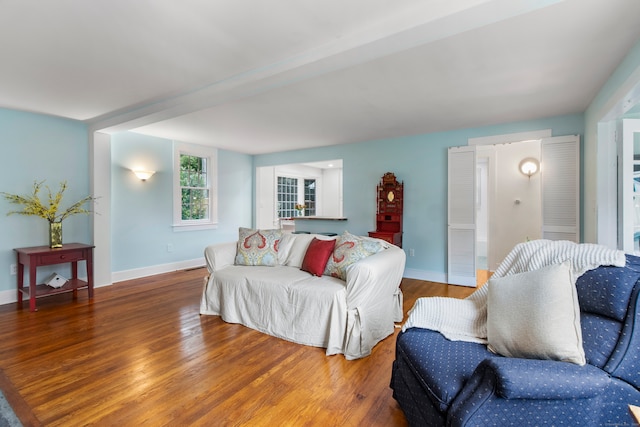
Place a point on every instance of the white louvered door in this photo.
(461, 230)
(560, 172)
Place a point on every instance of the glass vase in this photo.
(55, 234)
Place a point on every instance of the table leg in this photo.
(20, 279)
(89, 263)
(32, 287)
(74, 275)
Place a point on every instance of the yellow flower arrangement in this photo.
(32, 205)
(300, 207)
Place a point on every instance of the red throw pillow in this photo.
(318, 253)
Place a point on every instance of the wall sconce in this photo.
(143, 175)
(529, 166)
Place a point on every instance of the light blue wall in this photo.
(141, 212)
(36, 147)
(421, 162)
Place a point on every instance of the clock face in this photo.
(390, 196)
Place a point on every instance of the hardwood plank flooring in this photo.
(140, 354)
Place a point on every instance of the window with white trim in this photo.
(287, 196)
(194, 189)
(295, 196)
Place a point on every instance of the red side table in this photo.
(38, 256)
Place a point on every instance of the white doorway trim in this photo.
(626, 203)
(510, 137)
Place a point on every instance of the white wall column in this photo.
(100, 183)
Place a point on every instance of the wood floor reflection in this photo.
(140, 353)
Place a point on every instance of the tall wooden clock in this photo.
(390, 194)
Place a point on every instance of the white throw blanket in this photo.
(466, 319)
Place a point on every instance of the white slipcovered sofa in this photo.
(345, 317)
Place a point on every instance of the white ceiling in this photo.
(266, 76)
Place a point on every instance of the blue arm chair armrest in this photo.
(545, 387)
(544, 379)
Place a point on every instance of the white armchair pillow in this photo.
(535, 315)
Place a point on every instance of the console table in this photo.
(38, 256)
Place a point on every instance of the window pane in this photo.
(195, 204)
(193, 171)
(200, 204)
(310, 197)
(287, 196)
(195, 191)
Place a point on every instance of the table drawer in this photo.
(61, 257)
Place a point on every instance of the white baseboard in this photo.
(431, 276)
(136, 273)
(10, 296)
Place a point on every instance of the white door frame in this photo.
(629, 127)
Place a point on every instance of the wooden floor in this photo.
(140, 354)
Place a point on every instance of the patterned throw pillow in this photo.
(258, 247)
(349, 250)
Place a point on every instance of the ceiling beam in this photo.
(411, 29)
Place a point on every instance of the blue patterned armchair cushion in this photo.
(610, 318)
(606, 290)
(599, 338)
(624, 362)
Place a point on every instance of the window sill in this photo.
(195, 227)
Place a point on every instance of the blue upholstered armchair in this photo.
(442, 382)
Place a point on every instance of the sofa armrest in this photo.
(376, 276)
(547, 389)
(371, 295)
(543, 379)
(220, 255)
